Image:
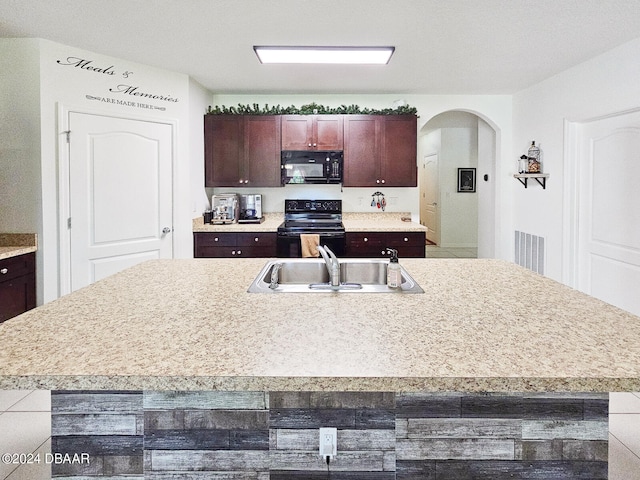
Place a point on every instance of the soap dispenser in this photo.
(394, 278)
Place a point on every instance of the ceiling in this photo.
(442, 46)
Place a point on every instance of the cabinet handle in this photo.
(216, 239)
(256, 239)
(241, 181)
(309, 145)
(406, 239)
(383, 252)
(4, 271)
(233, 252)
(377, 181)
(239, 252)
(366, 239)
(246, 181)
(315, 144)
(382, 181)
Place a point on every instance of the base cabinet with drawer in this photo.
(234, 244)
(17, 285)
(375, 244)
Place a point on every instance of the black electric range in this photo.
(320, 217)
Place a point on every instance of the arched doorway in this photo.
(453, 145)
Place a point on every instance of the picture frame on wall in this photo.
(466, 180)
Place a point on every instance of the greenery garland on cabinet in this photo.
(310, 109)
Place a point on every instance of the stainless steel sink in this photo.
(306, 275)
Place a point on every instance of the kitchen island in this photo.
(405, 378)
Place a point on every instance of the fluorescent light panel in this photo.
(341, 55)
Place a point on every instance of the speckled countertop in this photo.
(353, 222)
(481, 325)
(14, 244)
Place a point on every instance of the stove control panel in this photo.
(309, 206)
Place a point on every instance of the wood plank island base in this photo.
(381, 435)
(173, 349)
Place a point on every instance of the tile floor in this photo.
(434, 251)
(25, 427)
(25, 421)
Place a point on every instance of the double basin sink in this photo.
(305, 275)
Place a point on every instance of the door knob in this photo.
(166, 230)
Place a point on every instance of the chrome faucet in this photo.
(274, 276)
(333, 265)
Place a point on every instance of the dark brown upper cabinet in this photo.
(312, 132)
(380, 150)
(242, 150)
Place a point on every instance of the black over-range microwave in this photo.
(311, 167)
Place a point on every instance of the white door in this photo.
(608, 212)
(120, 194)
(429, 195)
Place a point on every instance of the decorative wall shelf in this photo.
(541, 178)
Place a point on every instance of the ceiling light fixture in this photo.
(340, 55)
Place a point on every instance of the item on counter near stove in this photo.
(225, 208)
(208, 215)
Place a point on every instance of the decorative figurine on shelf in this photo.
(533, 158)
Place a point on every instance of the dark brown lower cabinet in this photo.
(231, 244)
(17, 285)
(375, 244)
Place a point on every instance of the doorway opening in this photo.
(454, 147)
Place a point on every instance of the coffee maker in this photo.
(251, 209)
(224, 208)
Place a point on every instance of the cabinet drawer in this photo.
(217, 252)
(214, 239)
(411, 252)
(365, 238)
(411, 239)
(262, 239)
(14, 267)
(258, 252)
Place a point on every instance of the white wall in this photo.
(494, 109)
(20, 176)
(48, 82)
(196, 201)
(603, 85)
(459, 211)
(454, 137)
(20, 136)
(486, 190)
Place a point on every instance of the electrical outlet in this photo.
(328, 442)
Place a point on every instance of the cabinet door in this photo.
(408, 244)
(362, 150)
(297, 131)
(364, 244)
(222, 150)
(328, 132)
(261, 151)
(17, 285)
(399, 155)
(312, 132)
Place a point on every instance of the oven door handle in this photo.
(322, 234)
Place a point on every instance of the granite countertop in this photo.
(14, 244)
(380, 222)
(353, 222)
(481, 325)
